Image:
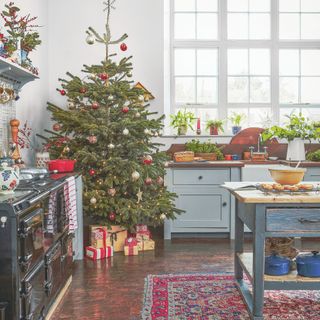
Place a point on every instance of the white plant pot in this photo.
(296, 150)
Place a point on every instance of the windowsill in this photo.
(198, 136)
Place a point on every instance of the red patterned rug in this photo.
(216, 297)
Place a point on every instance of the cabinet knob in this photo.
(200, 177)
(224, 204)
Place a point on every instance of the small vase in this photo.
(214, 131)
(296, 150)
(236, 130)
(24, 55)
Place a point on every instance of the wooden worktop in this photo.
(205, 164)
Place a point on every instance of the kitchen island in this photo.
(271, 215)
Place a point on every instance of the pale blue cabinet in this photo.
(312, 174)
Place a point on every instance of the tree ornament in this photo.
(146, 131)
(95, 106)
(141, 98)
(93, 200)
(125, 131)
(112, 192)
(56, 127)
(160, 181)
(66, 149)
(125, 109)
(71, 105)
(103, 76)
(135, 175)
(123, 47)
(112, 216)
(92, 139)
(139, 196)
(156, 134)
(163, 216)
(90, 39)
(83, 90)
(92, 172)
(129, 74)
(63, 92)
(137, 115)
(148, 181)
(147, 160)
(110, 97)
(111, 146)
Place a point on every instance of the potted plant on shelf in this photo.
(214, 126)
(236, 120)
(296, 131)
(205, 150)
(182, 121)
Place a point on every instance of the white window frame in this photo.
(223, 44)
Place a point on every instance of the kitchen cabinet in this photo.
(312, 174)
(207, 206)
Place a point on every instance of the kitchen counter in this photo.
(206, 164)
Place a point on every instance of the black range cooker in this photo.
(35, 246)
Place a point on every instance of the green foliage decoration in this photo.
(204, 147)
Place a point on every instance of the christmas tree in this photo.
(108, 130)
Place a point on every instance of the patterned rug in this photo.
(216, 297)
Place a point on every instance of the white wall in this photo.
(32, 105)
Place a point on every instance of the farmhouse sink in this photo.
(259, 172)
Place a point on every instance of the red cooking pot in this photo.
(61, 165)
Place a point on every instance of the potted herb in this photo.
(314, 156)
(295, 132)
(182, 121)
(214, 126)
(236, 120)
(205, 150)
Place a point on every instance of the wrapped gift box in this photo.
(99, 237)
(118, 236)
(145, 245)
(141, 227)
(131, 247)
(143, 235)
(98, 253)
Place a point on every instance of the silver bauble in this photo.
(90, 39)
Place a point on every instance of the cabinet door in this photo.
(312, 174)
(207, 209)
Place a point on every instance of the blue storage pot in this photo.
(276, 265)
(308, 265)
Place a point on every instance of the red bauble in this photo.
(83, 90)
(147, 160)
(112, 216)
(104, 76)
(63, 92)
(56, 127)
(148, 181)
(123, 47)
(92, 172)
(95, 106)
(125, 109)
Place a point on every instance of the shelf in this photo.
(15, 73)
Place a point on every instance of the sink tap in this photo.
(259, 142)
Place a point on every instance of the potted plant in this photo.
(296, 131)
(214, 126)
(205, 150)
(182, 121)
(236, 120)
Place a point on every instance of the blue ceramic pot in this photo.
(308, 265)
(24, 55)
(236, 130)
(276, 265)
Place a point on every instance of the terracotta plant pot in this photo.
(207, 156)
(214, 131)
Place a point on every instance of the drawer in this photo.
(290, 219)
(201, 177)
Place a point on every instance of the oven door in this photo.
(53, 271)
(67, 256)
(32, 297)
(31, 239)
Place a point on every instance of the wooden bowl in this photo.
(287, 176)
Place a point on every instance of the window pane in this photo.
(310, 26)
(312, 113)
(238, 89)
(259, 24)
(184, 5)
(259, 89)
(205, 115)
(289, 90)
(207, 62)
(207, 90)
(238, 62)
(310, 6)
(185, 62)
(260, 117)
(259, 5)
(259, 62)
(289, 62)
(289, 5)
(238, 26)
(289, 26)
(238, 5)
(184, 26)
(310, 63)
(207, 26)
(185, 90)
(207, 5)
(310, 92)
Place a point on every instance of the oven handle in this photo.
(42, 195)
(27, 225)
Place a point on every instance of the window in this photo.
(257, 57)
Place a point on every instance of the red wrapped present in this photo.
(131, 247)
(141, 227)
(98, 253)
